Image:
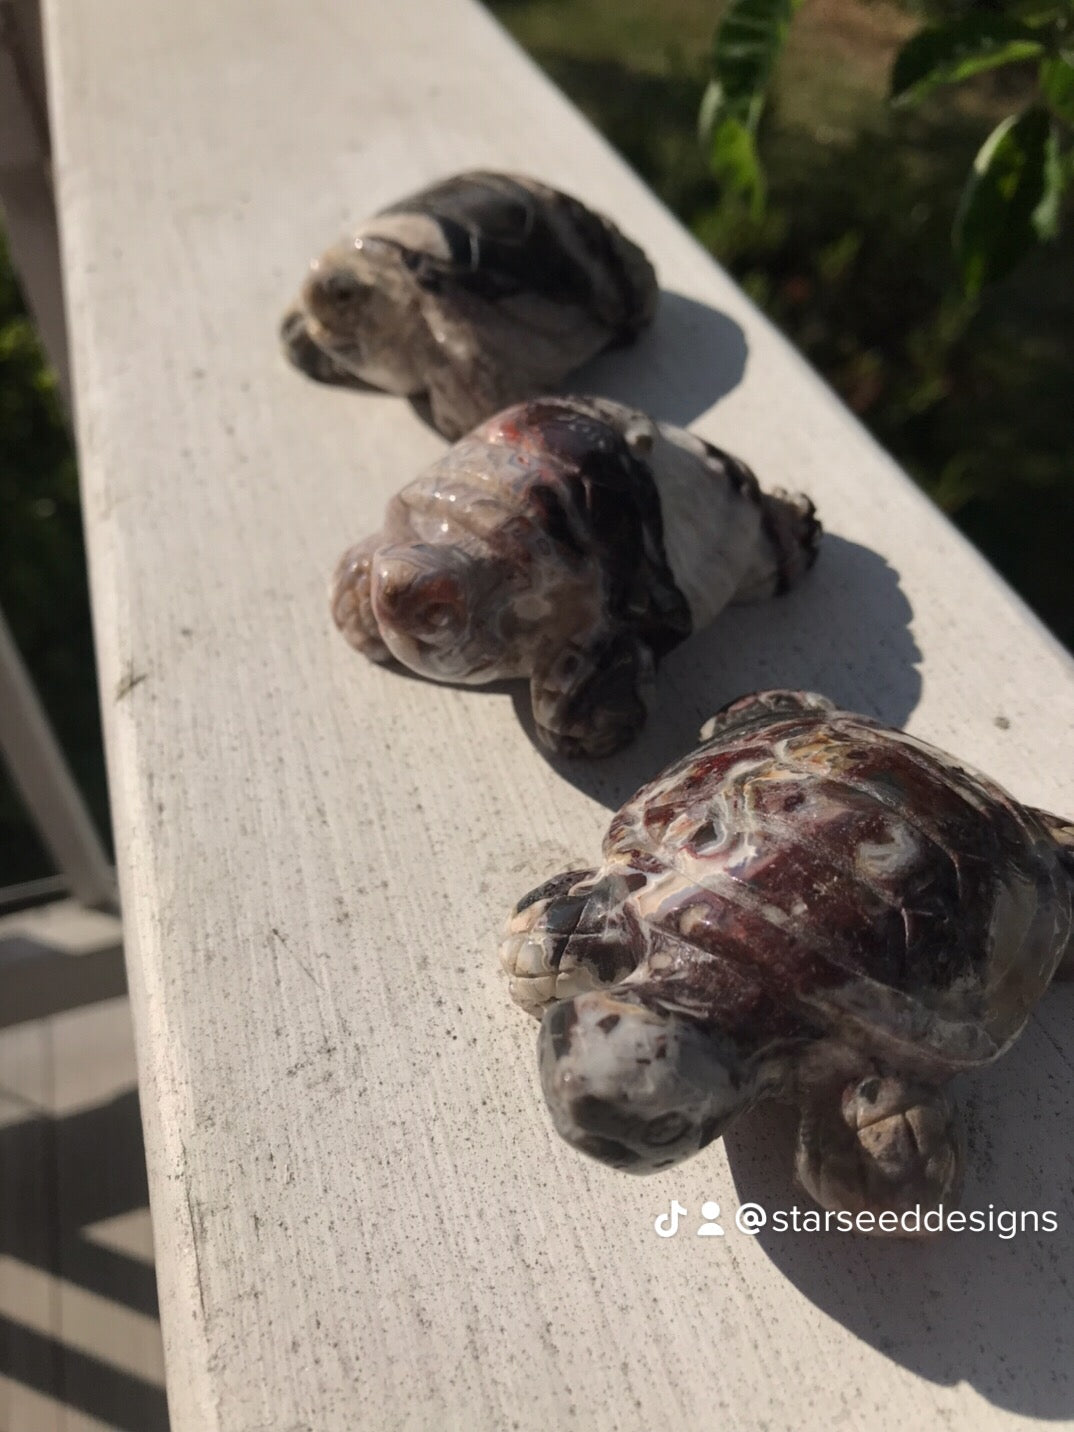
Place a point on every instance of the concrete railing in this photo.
(362, 1215)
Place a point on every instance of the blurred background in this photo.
(851, 258)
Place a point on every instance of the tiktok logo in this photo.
(667, 1225)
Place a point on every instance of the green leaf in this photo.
(1046, 215)
(1057, 84)
(943, 54)
(747, 45)
(734, 160)
(1008, 201)
(745, 51)
(1039, 12)
(712, 104)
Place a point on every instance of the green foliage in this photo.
(1057, 84)
(42, 572)
(744, 53)
(1012, 198)
(732, 150)
(944, 54)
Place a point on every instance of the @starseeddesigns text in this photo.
(752, 1218)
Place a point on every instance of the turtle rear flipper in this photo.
(1062, 832)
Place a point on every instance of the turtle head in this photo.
(437, 608)
(635, 1085)
(341, 285)
(356, 311)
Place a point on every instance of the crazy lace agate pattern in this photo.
(573, 542)
(811, 906)
(479, 291)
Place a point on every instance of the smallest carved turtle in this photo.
(478, 291)
(572, 541)
(811, 907)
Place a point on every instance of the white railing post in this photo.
(37, 765)
(41, 775)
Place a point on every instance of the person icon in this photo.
(710, 1212)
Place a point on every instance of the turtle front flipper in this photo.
(591, 697)
(762, 708)
(463, 388)
(566, 936)
(462, 394)
(882, 1144)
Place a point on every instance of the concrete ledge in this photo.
(363, 1218)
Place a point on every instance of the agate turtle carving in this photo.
(811, 907)
(572, 541)
(474, 293)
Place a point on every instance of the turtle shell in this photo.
(531, 250)
(862, 879)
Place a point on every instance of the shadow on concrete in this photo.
(58, 1178)
(38, 980)
(845, 632)
(116, 1398)
(691, 357)
(992, 1311)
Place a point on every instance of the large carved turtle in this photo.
(572, 541)
(811, 906)
(478, 291)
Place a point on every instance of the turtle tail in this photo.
(790, 520)
(1062, 832)
(626, 299)
(637, 283)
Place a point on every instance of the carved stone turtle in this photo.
(477, 292)
(572, 541)
(811, 907)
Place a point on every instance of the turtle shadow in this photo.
(845, 632)
(991, 1308)
(690, 357)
